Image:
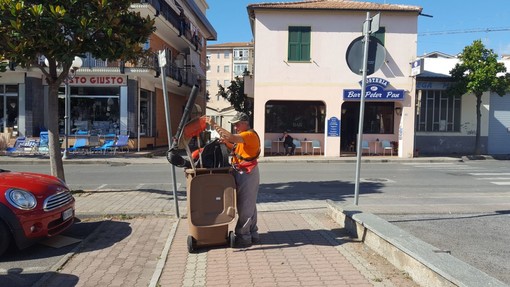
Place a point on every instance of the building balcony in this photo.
(182, 26)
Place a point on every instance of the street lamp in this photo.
(75, 65)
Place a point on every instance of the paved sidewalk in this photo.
(301, 246)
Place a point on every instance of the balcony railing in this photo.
(187, 76)
(179, 21)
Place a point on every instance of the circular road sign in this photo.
(376, 55)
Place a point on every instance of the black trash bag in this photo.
(214, 154)
(176, 159)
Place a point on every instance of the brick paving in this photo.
(298, 249)
(301, 246)
(118, 253)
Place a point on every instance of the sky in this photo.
(455, 23)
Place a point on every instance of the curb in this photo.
(426, 264)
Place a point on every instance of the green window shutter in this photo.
(380, 34)
(299, 44)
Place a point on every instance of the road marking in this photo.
(494, 178)
(139, 186)
(500, 182)
(100, 187)
(489, 173)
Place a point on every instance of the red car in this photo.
(33, 206)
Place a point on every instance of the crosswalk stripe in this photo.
(501, 182)
(490, 173)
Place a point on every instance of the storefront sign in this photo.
(376, 90)
(99, 81)
(432, 85)
(333, 127)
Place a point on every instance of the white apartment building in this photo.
(225, 62)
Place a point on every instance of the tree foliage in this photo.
(477, 72)
(59, 30)
(236, 96)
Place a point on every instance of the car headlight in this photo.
(21, 199)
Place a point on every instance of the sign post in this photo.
(371, 25)
(162, 64)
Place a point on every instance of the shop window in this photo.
(295, 116)
(378, 118)
(9, 106)
(438, 112)
(146, 113)
(95, 110)
(299, 44)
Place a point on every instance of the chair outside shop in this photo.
(268, 147)
(316, 145)
(107, 146)
(43, 147)
(121, 143)
(386, 145)
(80, 145)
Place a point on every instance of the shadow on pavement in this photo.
(317, 190)
(16, 278)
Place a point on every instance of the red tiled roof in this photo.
(335, 5)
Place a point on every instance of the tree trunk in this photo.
(478, 123)
(56, 164)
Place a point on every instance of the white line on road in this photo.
(100, 187)
(494, 178)
(501, 183)
(490, 173)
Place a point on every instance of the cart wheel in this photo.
(231, 239)
(191, 244)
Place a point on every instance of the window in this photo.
(295, 116)
(299, 44)
(226, 55)
(208, 83)
(438, 112)
(92, 108)
(239, 69)
(218, 55)
(226, 69)
(226, 83)
(8, 106)
(241, 54)
(218, 69)
(146, 113)
(378, 118)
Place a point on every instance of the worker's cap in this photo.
(240, 117)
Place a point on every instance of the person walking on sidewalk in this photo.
(245, 146)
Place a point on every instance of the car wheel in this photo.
(5, 238)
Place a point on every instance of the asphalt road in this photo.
(461, 208)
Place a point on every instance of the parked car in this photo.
(33, 206)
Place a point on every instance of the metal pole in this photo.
(169, 137)
(66, 118)
(366, 29)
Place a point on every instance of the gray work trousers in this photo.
(247, 191)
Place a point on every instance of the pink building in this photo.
(302, 82)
